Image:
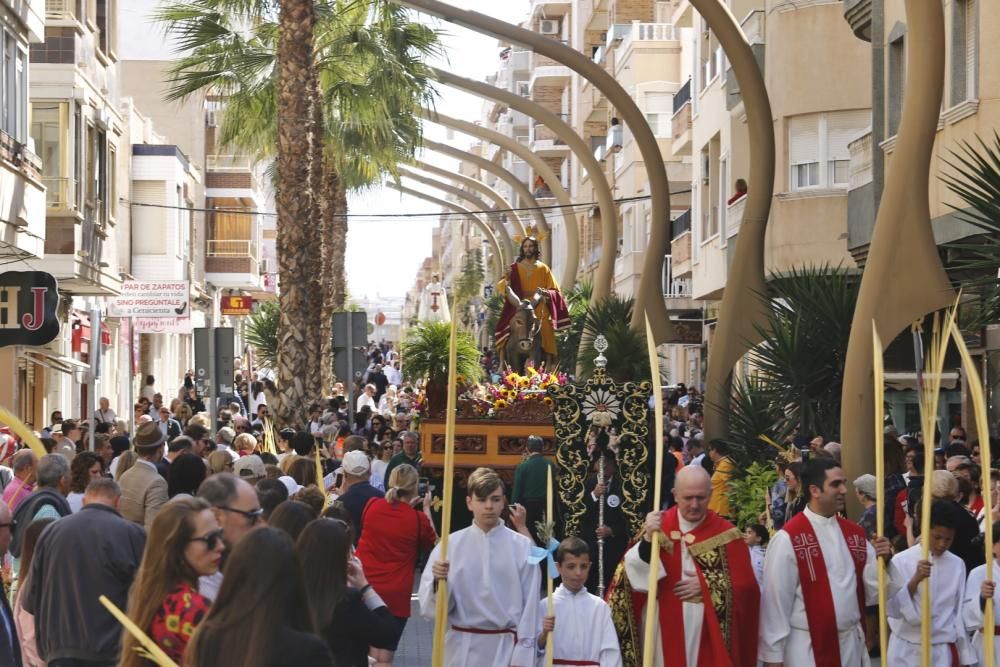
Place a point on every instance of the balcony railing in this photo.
(59, 192)
(231, 248)
(60, 9)
(681, 224)
(753, 27)
(648, 32)
(672, 288)
(734, 216)
(227, 162)
(682, 96)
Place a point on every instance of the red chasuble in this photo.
(815, 583)
(729, 590)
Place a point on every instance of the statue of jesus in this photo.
(525, 278)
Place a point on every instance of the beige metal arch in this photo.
(490, 236)
(742, 313)
(568, 276)
(902, 236)
(609, 211)
(505, 206)
(650, 295)
(520, 189)
(477, 205)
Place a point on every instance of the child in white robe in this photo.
(581, 627)
(945, 573)
(977, 590)
(492, 586)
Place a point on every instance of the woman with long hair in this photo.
(395, 534)
(219, 461)
(380, 463)
(86, 467)
(164, 600)
(345, 609)
(260, 617)
(292, 516)
(24, 621)
(186, 474)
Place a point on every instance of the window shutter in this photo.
(803, 139)
(659, 103)
(842, 128)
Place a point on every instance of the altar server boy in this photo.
(945, 573)
(581, 627)
(492, 586)
(977, 590)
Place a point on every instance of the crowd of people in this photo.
(303, 546)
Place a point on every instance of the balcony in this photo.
(232, 263)
(681, 224)
(59, 193)
(734, 216)
(615, 139)
(858, 14)
(60, 10)
(646, 33)
(228, 162)
(616, 33)
(550, 9)
(681, 121)
(600, 152)
(549, 75)
(676, 289)
(518, 61)
(545, 143)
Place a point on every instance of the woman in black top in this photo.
(259, 618)
(349, 615)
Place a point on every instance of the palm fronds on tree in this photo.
(568, 339)
(261, 331)
(798, 370)
(425, 350)
(974, 263)
(626, 353)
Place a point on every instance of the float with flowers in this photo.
(494, 421)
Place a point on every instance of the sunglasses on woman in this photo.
(211, 540)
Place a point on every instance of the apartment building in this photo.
(970, 111)
(22, 192)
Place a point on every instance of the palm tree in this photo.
(368, 76)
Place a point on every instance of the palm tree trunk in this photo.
(339, 246)
(293, 200)
(320, 331)
(330, 186)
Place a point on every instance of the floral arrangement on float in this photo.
(518, 396)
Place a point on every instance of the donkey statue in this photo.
(524, 342)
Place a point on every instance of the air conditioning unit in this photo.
(265, 266)
(548, 27)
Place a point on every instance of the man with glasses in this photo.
(237, 510)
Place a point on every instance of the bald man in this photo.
(707, 587)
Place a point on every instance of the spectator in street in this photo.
(224, 441)
(186, 474)
(724, 468)
(149, 388)
(169, 426)
(105, 415)
(237, 509)
(67, 438)
(24, 621)
(72, 626)
(380, 381)
(48, 501)
(271, 493)
(864, 487)
(266, 623)
(125, 463)
(143, 489)
(383, 454)
(356, 489)
(175, 448)
(530, 480)
(24, 466)
(292, 517)
(249, 468)
(410, 454)
(367, 399)
(395, 535)
(165, 601)
(219, 461)
(10, 645)
(86, 467)
(244, 444)
(200, 439)
(303, 471)
(345, 610)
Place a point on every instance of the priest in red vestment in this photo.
(708, 598)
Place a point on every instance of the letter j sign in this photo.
(28, 303)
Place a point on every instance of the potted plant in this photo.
(425, 355)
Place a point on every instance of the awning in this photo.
(53, 361)
(908, 381)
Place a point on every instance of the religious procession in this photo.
(545, 332)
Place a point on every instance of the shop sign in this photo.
(152, 299)
(28, 304)
(236, 305)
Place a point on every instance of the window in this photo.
(112, 181)
(897, 84)
(964, 57)
(818, 154)
(95, 203)
(659, 112)
(48, 129)
(13, 86)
